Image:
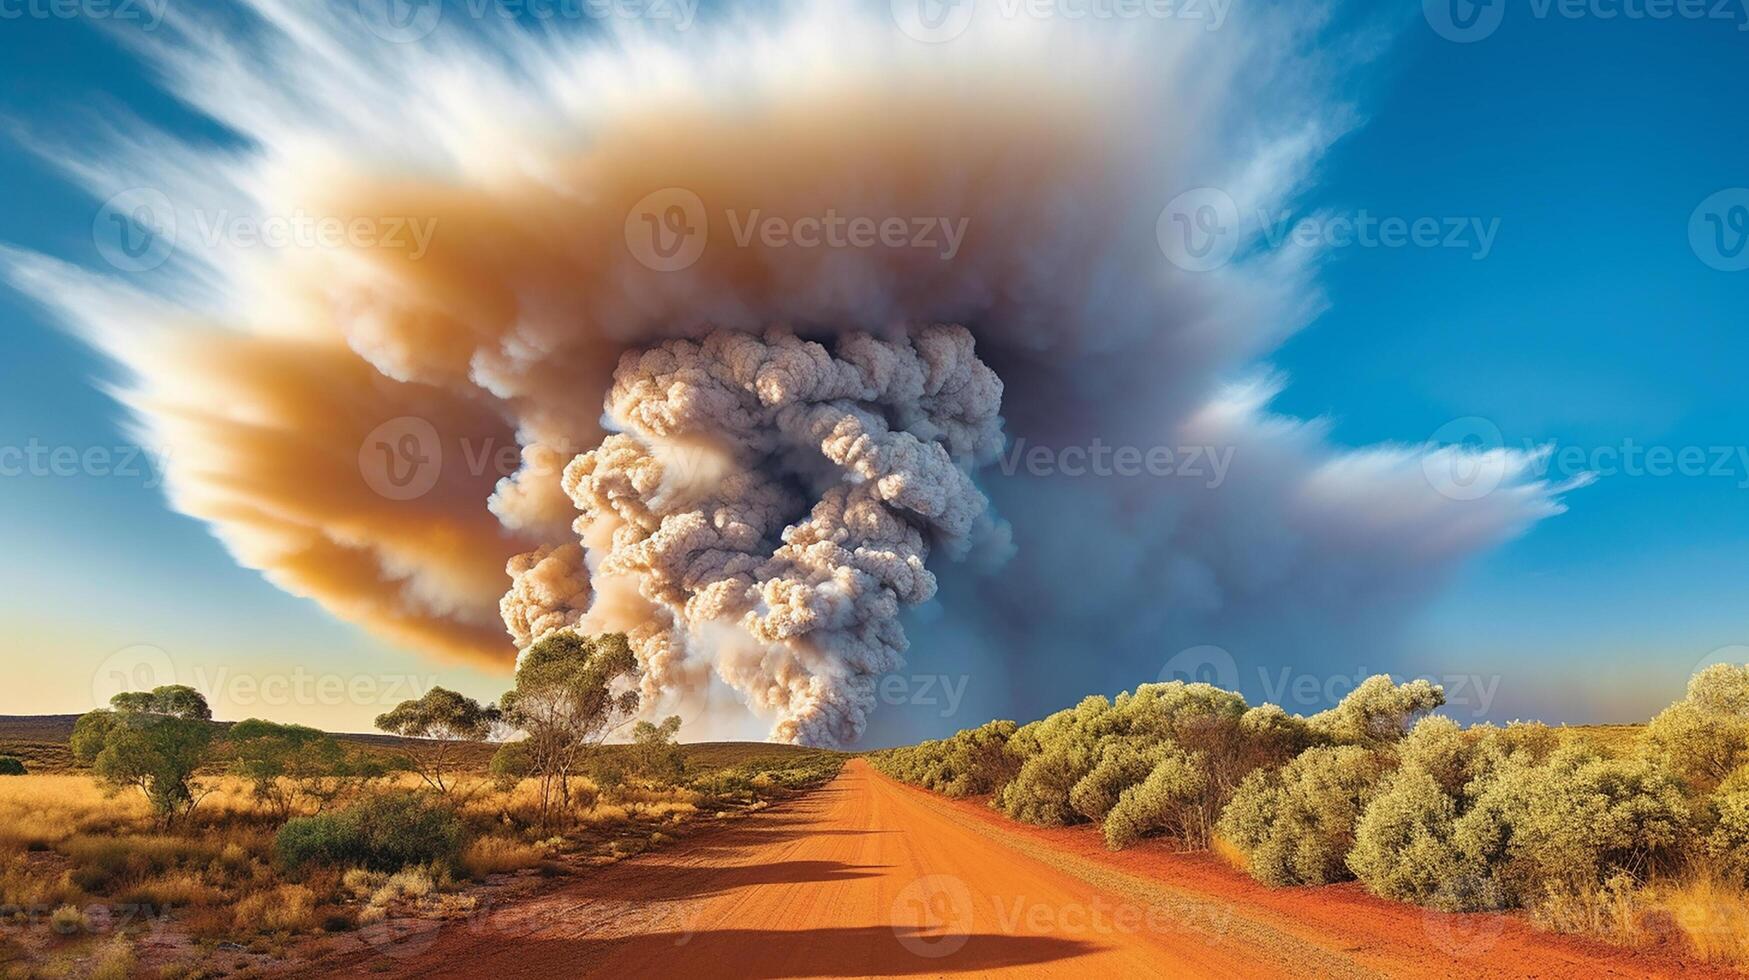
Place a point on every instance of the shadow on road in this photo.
(657, 881)
(767, 954)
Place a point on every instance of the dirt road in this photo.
(867, 877)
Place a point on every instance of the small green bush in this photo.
(1704, 738)
(1123, 762)
(1377, 711)
(382, 833)
(1159, 803)
(1728, 843)
(1296, 824)
(512, 763)
(1402, 845)
(11, 767)
(1490, 818)
(1572, 822)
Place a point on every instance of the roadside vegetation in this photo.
(1640, 837)
(245, 839)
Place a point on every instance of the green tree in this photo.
(511, 764)
(177, 700)
(572, 692)
(11, 767)
(445, 721)
(655, 752)
(291, 765)
(154, 742)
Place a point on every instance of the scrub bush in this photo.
(381, 833)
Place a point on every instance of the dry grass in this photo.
(39, 811)
(172, 891)
(114, 961)
(1228, 852)
(1713, 915)
(1615, 740)
(68, 843)
(497, 855)
(286, 908)
(1702, 913)
(1617, 911)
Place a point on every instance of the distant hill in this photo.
(41, 742)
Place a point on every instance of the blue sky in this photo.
(1591, 323)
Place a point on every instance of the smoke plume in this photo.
(753, 444)
(783, 490)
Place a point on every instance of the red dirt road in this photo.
(867, 877)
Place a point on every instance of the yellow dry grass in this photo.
(37, 811)
(1706, 912)
(286, 908)
(497, 855)
(1714, 916)
(1228, 851)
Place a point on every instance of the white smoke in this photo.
(785, 489)
(758, 508)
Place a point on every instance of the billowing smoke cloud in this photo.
(587, 317)
(785, 494)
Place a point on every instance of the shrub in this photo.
(511, 764)
(1728, 843)
(1295, 825)
(1704, 738)
(1216, 738)
(1574, 822)
(968, 763)
(1483, 819)
(1163, 801)
(11, 767)
(494, 855)
(1123, 762)
(1377, 711)
(114, 961)
(408, 883)
(1402, 844)
(287, 908)
(383, 833)
(67, 920)
(1075, 765)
